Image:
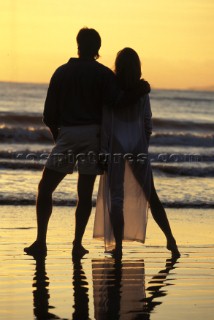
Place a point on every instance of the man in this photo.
(73, 111)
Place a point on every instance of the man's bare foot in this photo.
(172, 246)
(79, 251)
(36, 249)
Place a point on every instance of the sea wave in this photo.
(176, 125)
(198, 170)
(21, 165)
(179, 170)
(30, 134)
(182, 139)
(42, 135)
(174, 97)
(73, 202)
(18, 120)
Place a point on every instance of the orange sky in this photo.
(175, 39)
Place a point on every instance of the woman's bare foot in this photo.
(172, 246)
(117, 252)
(36, 249)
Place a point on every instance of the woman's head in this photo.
(128, 68)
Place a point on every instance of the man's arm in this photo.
(51, 112)
(128, 97)
(116, 98)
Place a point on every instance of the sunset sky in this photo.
(175, 39)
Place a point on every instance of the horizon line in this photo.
(204, 88)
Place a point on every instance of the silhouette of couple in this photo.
(101, 121)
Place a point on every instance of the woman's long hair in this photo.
(127, 68)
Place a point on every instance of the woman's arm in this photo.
(148, 119)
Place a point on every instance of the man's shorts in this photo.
(76, 146)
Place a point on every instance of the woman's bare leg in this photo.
(160, 217)
(116, 185)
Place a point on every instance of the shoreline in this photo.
(209, 88)
(146, 283)
(72, 203)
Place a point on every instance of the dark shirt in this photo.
(77, 92)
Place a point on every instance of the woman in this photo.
(127, 188)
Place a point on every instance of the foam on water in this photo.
(181, 151)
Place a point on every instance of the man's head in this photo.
(89, 43)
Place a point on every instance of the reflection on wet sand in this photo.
(118, 288)
(41, 292)
(81, 299)
(107, 285)
(156, 286)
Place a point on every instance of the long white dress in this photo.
(127, 182)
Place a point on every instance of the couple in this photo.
(82, 95)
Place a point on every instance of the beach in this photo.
(53, 72)
(147, 284)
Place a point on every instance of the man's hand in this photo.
(131, 96)
(144, 87)
(54, 131)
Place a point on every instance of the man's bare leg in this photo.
(85, 190)
(49, 182)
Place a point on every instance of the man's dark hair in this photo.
(89, 43)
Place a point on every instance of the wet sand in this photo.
(146, 284)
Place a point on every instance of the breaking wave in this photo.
(73, 202)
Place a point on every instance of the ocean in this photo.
(145, 284)
(181, 148)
